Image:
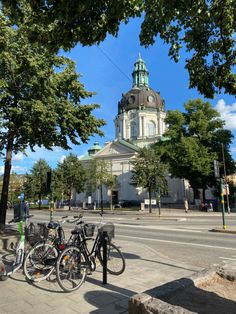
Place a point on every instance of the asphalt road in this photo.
(186, 238)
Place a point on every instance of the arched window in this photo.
(133, 129)
(151, 128)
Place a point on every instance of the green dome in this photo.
(94, 149)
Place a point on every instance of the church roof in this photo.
(141, 96)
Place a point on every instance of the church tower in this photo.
(141, 111)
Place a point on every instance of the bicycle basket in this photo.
(89, 230)
(34, 234)
(109, 228)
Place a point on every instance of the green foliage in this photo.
(99, 173)
(64, 23)
(16, 184)
(38, 88)
(35, 186)
(194, 141)
(205, 29)
(69, 175)
(40, 97)
(149, 172)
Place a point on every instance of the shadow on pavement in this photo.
(122, 291)
(106, 301)
(134, 256)
(199, 301)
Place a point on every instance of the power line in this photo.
(113, 63)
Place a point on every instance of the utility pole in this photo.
(222, 201)
(225, 179)
(221, 181)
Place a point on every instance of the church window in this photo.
(133, 129)
(151, 128)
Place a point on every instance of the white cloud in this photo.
(228, 114)
(19, 169)
(16, 169)
(18, 157)
(62, 158)
(233, 149)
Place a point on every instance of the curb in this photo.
(151, 301)
(223, 231)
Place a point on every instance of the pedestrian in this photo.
(210, 207)
(186, 207)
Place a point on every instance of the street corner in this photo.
(222, 230)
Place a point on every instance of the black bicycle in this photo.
(76, 260)
(40, 261)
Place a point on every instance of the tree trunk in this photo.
(111, 205)
(204, 195)
(70, 200)
(101, 199)
(40, 200)
(150, 199)
(196, 193)
(5, 186)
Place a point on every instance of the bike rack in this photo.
(104, 257)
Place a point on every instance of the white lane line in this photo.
(156, 228)
(178, 242)
(228, 258)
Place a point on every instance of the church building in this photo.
(140, 121)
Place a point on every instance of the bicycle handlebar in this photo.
(17, 219)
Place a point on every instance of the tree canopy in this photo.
(99, 174)
(205, 29)
(70, 175)
(193, 141)
(40, 99)
(35, 186)
(149, 172)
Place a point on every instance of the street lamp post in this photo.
(225, 180)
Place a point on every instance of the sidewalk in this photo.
(145, 269)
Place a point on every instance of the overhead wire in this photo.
(113, 63)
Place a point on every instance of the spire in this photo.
(140, 73)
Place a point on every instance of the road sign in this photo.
(216, 168)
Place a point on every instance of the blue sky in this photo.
(107, 70)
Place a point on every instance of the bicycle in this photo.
(40, 261)
(19, 249)
(76, 260)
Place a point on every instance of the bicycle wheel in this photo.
(71, 269)
(115, 259)
(40, 262)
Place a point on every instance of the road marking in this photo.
(228, 258)
(181, 243)
(156, 227)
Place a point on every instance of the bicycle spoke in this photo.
(70, 272)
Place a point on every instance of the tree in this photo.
(40, 99)
(99, 174)
(205, 29)
(16, 184)
(193, 141)
(72, 174)
(149, 173)
(36, 182)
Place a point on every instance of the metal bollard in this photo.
(104, 257)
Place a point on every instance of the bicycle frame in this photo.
(19, 255)
(80, 240)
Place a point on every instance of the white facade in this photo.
(140, 122)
